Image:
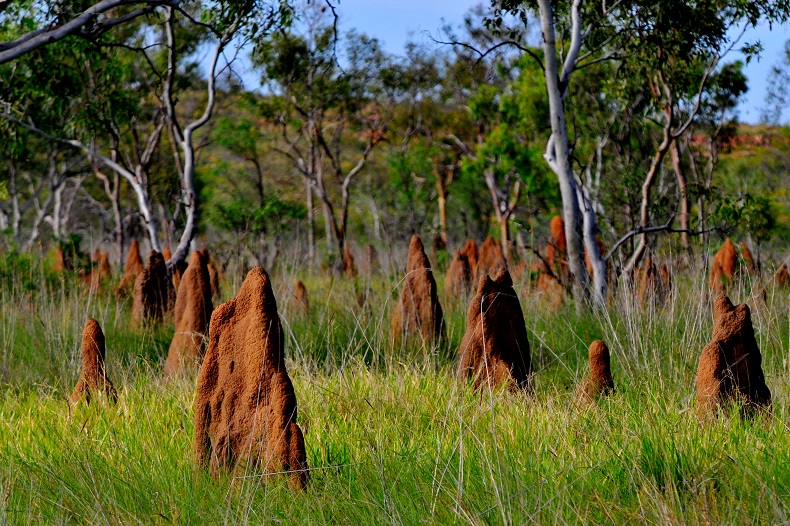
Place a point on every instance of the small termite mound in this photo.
(93, 379)
(599, 383)
(245, 408)
(300, 295)
(458, 281)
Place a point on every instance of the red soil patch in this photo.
(731, 364)
(192, 314)
(245, 409)
(93, 379)
(495, 349)
(418, 312)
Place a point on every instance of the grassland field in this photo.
(391, 435)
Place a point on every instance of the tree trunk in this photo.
(310, 225)
(600, 285)
(442, 188)
(558, 156)
(677, 165)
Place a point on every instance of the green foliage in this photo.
(241, 215)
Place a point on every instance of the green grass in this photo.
(391, 437)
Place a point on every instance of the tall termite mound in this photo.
(470, 251)
(495, 350)
(418, 312)
(216, 287)
(722, 270)
(245, 410)
(459, 277)
(192, 315)
(152, 291)
(599, 382)
(730, 366)
(133, 268)
(300, 295)
(93, 379)
(556, 248)
(491, 258)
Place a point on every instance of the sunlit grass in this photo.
(391, 436)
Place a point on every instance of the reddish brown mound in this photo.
(192, 314)
(58, 261)
(731, 364)
(178, 271)
(491, 258)
(600, 382)
(654, 283)
(556, 248)
(723, 268)
(245, 410)
(495, 348)
(134, 267)
(105, 271)
(216, 287)
(418, 311)
(470, 251)
(459, 277)
(371, 261)
(96, 255)
(348, 266)
(93, 378)
(300, 294)
(782, 277)
(601, 250)
(167, 254)
(748, 259)
(152, 291)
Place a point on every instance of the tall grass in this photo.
(392, 438)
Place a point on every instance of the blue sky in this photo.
(392, 22)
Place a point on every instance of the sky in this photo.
(393, 23)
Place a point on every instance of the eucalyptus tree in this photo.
(329, 116)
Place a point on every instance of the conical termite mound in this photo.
(459, 277)
(491, 258)
(134, 267)
(348, 265)
(93, 379)
(245, 409)
(370, 263)
(192, 315)
(470, 251)
(152, 292)
(600, 382)
(556, 248)
(300, 295)
(495, 348)
(782, 276)
(730, 366)
(723, 268)
(418, 312)
(748, 259)
(216, 287)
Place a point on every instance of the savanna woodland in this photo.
(255, 267)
